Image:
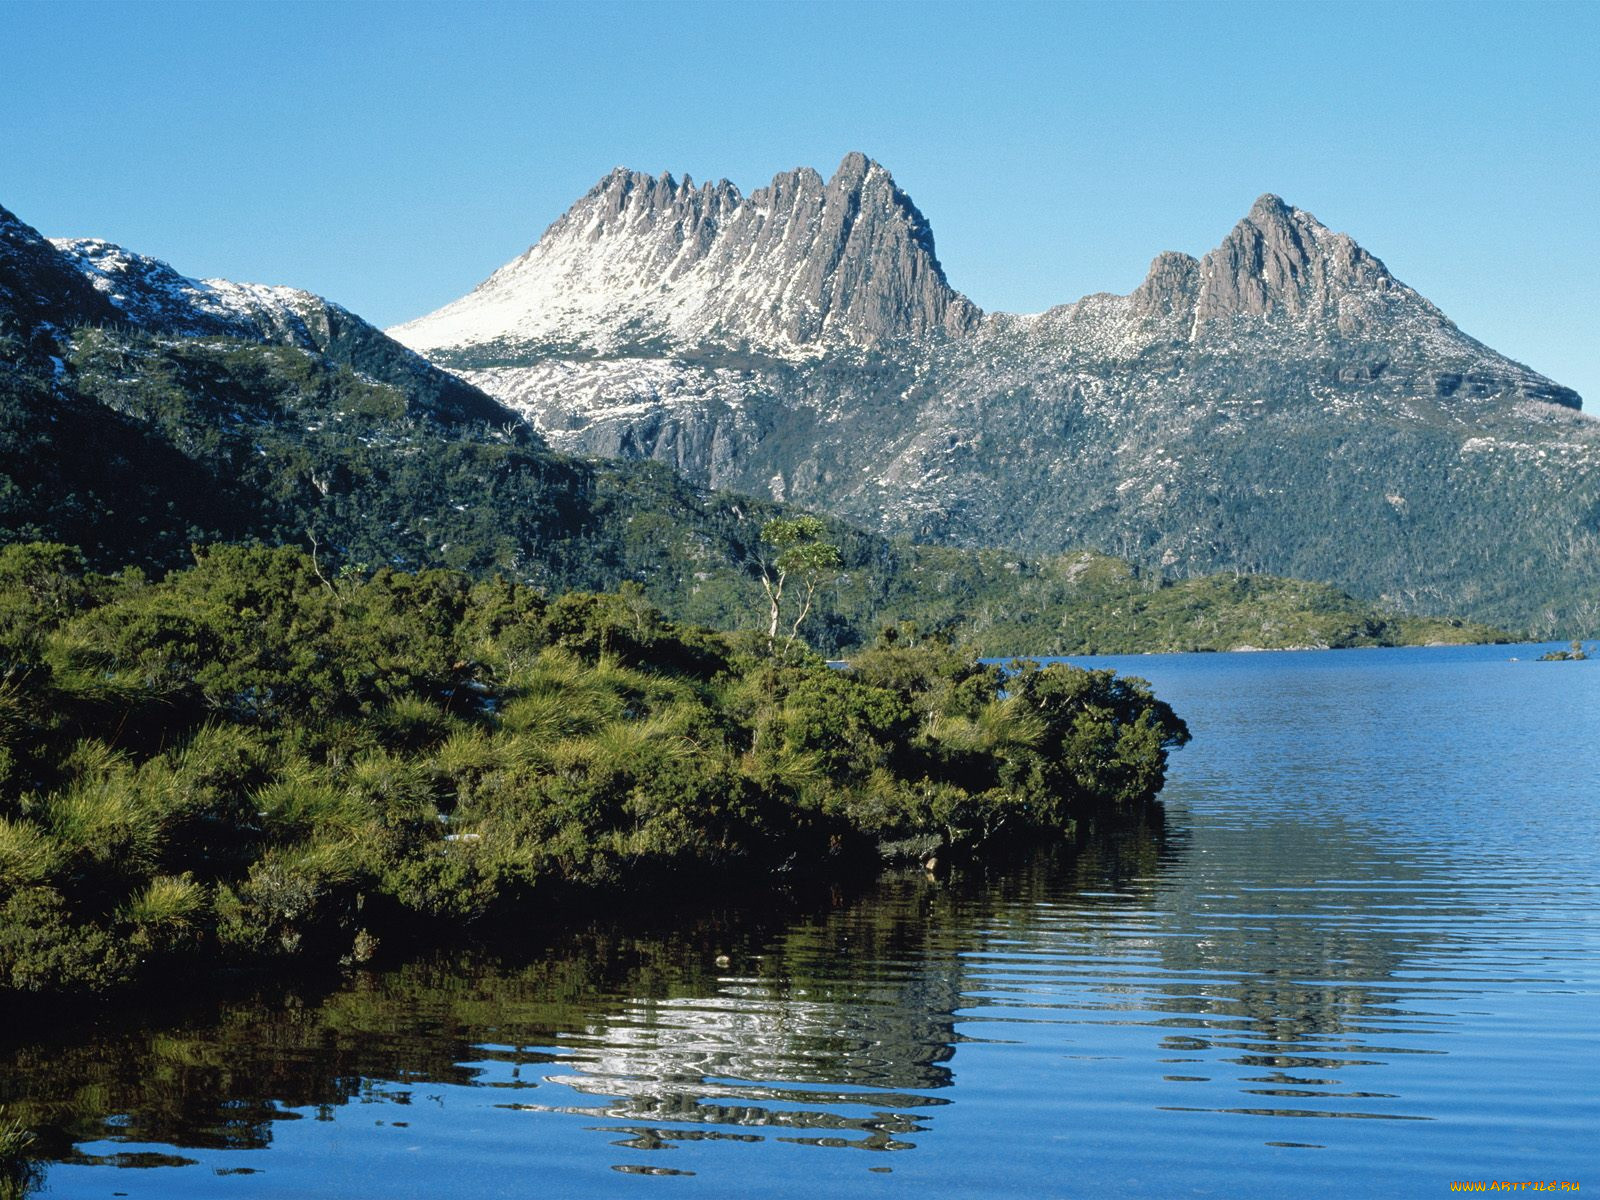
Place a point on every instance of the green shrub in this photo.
(254, 760)
(302, 895)
(45, 948)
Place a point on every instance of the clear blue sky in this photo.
(391, 155)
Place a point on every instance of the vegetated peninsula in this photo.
(250, 761)
(146, 412)
(1280, 405)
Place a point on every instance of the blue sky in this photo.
(391, 155)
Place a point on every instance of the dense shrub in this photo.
(250, 760)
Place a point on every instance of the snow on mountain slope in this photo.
(797, 266)
(39, 288)
(154, 296)
(151, 296)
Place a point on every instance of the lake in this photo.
(1357, 953)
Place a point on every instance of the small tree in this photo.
(802, 558)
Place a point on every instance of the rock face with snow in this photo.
(38, 287)
(1280, 404)
(797, 267)
(152, 297)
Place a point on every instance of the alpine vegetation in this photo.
(251, 761)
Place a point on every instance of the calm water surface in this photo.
(1358, 956)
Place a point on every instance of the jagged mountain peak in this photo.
(649, 267)
(1270, 205)
(805, 264)
(1281, 259)
(1280, 269)
(798, 265)
(857, 164)
(625, 189)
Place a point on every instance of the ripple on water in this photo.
(1359, 945)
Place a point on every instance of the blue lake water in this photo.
(1359, 955)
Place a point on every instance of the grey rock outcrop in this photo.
(1280, 260)
(798, 267)
(1170, 287)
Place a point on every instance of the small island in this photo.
(1574, 653)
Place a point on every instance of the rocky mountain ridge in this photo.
(38, 287)
(795, 267)
(143, 413)
(151, 296)
(1282, 403)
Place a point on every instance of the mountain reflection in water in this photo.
(1339, 952)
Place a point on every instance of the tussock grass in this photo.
(999, 726)
(28, 854)
(104, 819)
(303, 801)
(796, 770)
(413, 723)
(168, 908)
(557, 696)
(15, 1139)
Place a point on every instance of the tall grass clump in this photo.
(18, 1175)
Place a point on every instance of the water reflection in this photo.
(832, 1028)
(1295, 971)
(1273, 996)
(835, 1029)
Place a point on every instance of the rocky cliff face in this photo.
(797, 267)
(1281, 403)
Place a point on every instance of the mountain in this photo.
(39, 290)
(795, 268)
(1282, 404)
(150, 296)
(143, 412)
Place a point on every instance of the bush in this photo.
(249, 760)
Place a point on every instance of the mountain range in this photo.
(144, 412)
(1282, 404)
